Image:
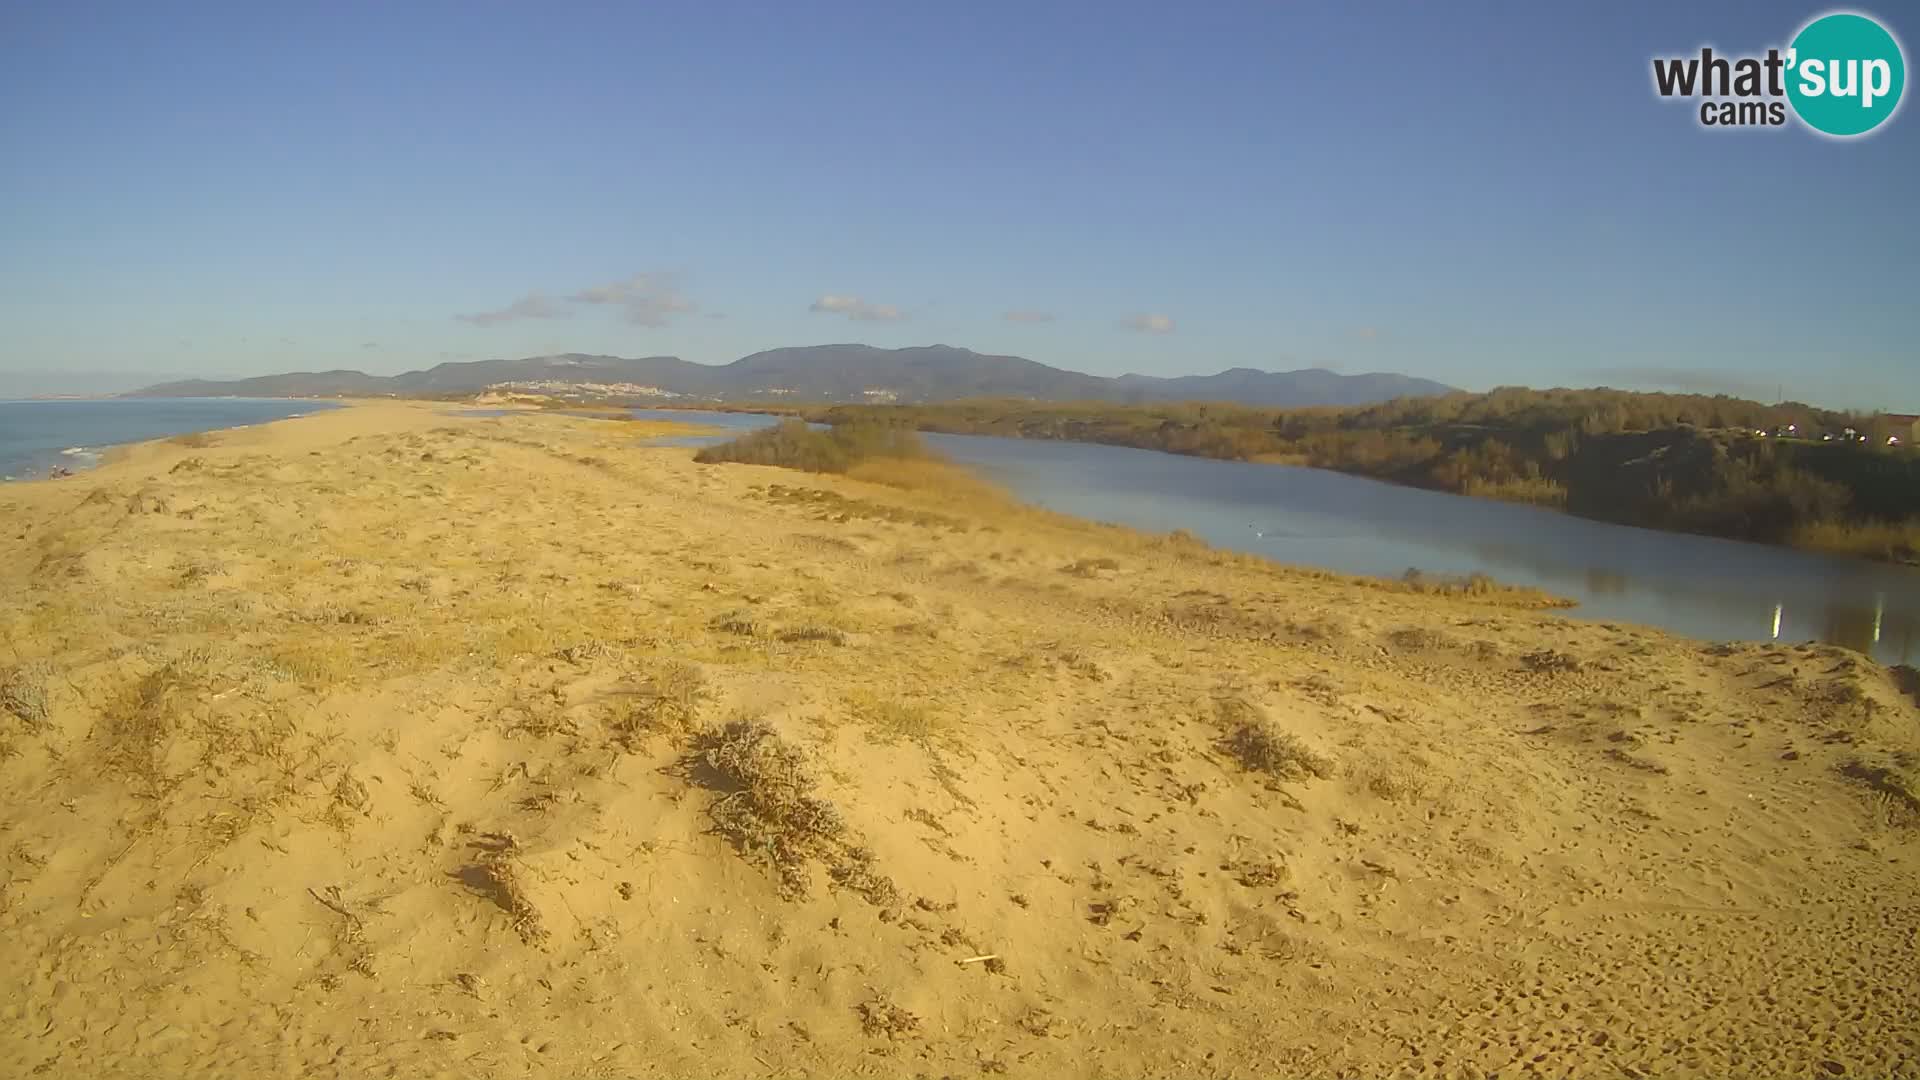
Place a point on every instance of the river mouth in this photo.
(1699, 586)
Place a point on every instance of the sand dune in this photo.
(387, 741)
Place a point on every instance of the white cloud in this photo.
(1149, 324)
(1028, 316)
(857, 309)
(645, 299)
(1367, 333)
(531, 306)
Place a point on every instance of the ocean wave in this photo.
(79, 451)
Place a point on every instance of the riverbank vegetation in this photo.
(792, 444)
(878, 452)
(1691, 463)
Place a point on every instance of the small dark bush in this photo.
(771, 811)
(23, 692)
(793, 445)
(1263, 747)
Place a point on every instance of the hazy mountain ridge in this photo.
(833, 373)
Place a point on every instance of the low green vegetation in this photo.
(792, 444)
(1690, 463)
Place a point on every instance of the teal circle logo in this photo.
(1845, 73)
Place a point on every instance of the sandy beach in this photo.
(389, 741)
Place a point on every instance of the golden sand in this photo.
(389, 741)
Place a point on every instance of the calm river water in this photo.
(1695, 585)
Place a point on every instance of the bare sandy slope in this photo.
(389, 742)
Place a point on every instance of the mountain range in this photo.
(823, 373)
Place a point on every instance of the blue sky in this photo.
(1479, 194)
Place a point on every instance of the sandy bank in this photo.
(388, 739)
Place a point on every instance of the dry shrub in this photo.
(537, 715)
(889, 721)
(1637, 761)
(1550, 661)
(583, 654)
(882, 1017)
(138, 724)
(348, 800)
(1039, 1023)
(1399, 782)
(838, 544)
(1103, 912)
(1897, 779)
(814, 632)
(1181, 538)
(737, 622)
(1481, 588)
(23, 693)
(1258, 873)
(1261, 746)
(1083, 665)
(1090, 568)
(317, 661)
(1842, 696)
(497, 876)
(1419, 639)
(854, 871)
(835, 507)
(195, 569)
(772, 811)
(669, 701)
(1906, 679)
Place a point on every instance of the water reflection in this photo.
(1801, 596)
(1695, 585)
(1872, 630)
(1600, 580)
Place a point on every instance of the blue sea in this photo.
(38, 436)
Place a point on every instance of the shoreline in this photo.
(106, 453)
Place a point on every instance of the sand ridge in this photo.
(393, 741)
